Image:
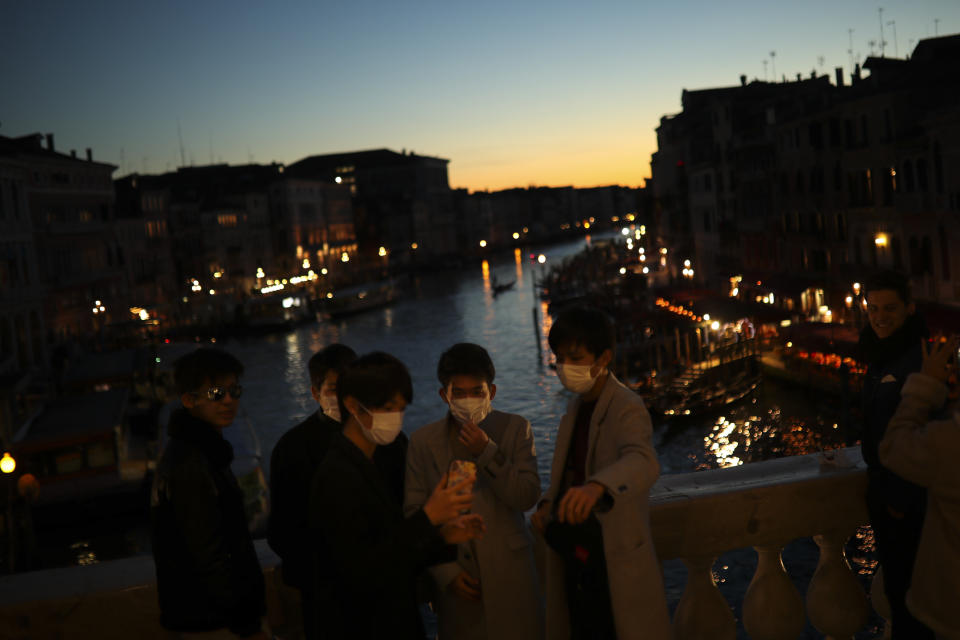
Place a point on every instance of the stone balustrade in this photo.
(695, 517)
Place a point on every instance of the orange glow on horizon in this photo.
(618, 165)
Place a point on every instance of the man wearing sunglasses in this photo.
(209, 579)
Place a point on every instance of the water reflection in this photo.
(83, 553)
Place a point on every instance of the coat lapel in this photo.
(599, 413)
(564, 433)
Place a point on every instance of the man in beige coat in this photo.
(603, 467)
(926, 453)
(491, 592)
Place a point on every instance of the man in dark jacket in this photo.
(208, 576)
(890, 344)
(368, 553)
(295, 459)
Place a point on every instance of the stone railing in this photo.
(695, 517)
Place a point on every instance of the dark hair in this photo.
(333, 357)
(204, 366)
(589, 328)
(890, 281)
(374, 379)
(465, 359)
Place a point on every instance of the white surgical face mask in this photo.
(330, 406)
(576, 377)
(385, 428)
(469, 409)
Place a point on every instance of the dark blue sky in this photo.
(513, 93)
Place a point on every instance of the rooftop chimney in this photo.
(856, 71)
(89, 154)
(839, 73)
(73, 153)
(743, 80)
(50, 142)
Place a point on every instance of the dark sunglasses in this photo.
(219, 393)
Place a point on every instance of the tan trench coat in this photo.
(507, 485)
(620, 456)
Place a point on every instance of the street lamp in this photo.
(7, 463)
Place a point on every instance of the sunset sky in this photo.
(512, 93)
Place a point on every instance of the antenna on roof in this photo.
(183, 160)
(211, 145)
(936, 33)
(850, 50)
(883, 43)
(773, 64)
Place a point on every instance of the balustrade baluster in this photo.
(772, 607)
(836, 603)
(703, 613)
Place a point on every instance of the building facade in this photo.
(817, 180)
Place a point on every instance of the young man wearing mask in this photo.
(367, 554)
(505, 604)
(926, 453)
(602, 575)
(890, 346)
(209, 579)
(294, 460)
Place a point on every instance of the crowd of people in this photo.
(372, 526)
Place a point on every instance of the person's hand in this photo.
(473, 438)
(541, 516)
(577, 502)
(463, 528)
(445, 504)
(465, 586)
(936, 358)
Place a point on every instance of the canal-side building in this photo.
(541, 214)
(311, 224)
(219, 232)
(401, 201)
(818, 179)
(79, 260)
(143, 227)
(22, 328)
